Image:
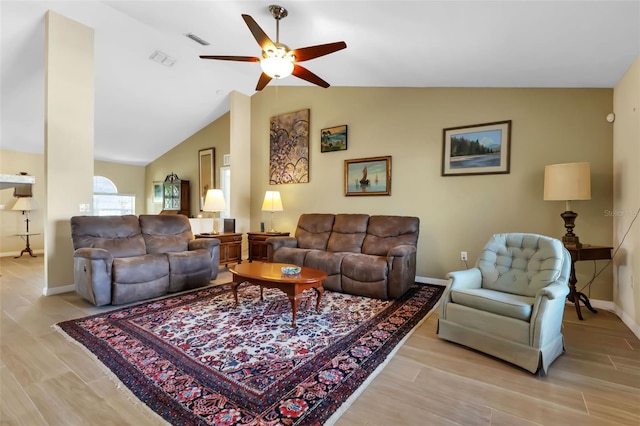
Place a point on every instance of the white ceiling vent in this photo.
(197, 39)
(226, 159)
(162, 58)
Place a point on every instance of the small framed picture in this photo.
(367, 176)
(478, 149)
(333, 139)
(157, 192)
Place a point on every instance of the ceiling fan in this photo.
(278, 61)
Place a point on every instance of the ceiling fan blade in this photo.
(263, 81)
(305, 74)
(261, 37)
(232, 58)
(311, 52)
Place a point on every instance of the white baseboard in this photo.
(58, 290)
(434, 281)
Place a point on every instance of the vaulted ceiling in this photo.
(143, 109)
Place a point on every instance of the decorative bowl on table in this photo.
(290, 270)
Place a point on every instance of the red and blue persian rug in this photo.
(196, 360)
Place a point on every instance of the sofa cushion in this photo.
(189, 269)
(166, 233)
(365, 275)
(348, 233)
(313, 230)
(139, 269)
(497, 302)
(120, 235)
(330, 263)
(386, 232)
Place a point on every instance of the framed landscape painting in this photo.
(367, 176)
(478, 149)
(333, 139)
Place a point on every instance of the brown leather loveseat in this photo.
(373, 256)
(122, 259)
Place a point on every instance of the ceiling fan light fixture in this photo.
(277, 63)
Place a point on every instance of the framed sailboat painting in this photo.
(367, 176)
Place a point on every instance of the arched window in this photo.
(107, 201)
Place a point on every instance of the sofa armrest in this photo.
(274, 243)
(401, 261)
(93, 254)
(212, 245)
(92, 274)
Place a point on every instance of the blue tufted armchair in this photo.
(510, 305)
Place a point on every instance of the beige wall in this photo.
(128, 179)
(457, 213)
(183, 161)
(68, 133)
(626, 202)
(12, 222)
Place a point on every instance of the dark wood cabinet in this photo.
(175, 196)
(258, 245)
(230, 246)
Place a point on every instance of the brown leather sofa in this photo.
(122, 259)
(373, 256)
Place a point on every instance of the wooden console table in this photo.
(258, 245)
(586, 252)
(230, 246)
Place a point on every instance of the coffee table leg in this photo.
(234, 290)
(320, 291)
(294, 308)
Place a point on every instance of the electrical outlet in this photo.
(1, 206)
(463, 255)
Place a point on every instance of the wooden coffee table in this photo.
(269, 275)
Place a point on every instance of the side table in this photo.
(230, 246)
(27, 249)
(585, 252)
(258, 245)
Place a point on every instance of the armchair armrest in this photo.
(274, 243)
(554, 290)
(403, 250)
(401, 261)
(465, 279)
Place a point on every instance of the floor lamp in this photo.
(272, 203)
(567, 182)
(214, 202)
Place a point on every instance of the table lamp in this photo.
(567, 182)
(214, 202)
(272, 203)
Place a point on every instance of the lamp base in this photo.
(570, 239)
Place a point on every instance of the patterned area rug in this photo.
(194, 359)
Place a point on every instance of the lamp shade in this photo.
(25, 204)
(568, 181)
(214, 201)
(272, 202)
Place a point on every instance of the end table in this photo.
(584, 252)
(230, 246)
(258, 244)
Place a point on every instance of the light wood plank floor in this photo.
(46, 380)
